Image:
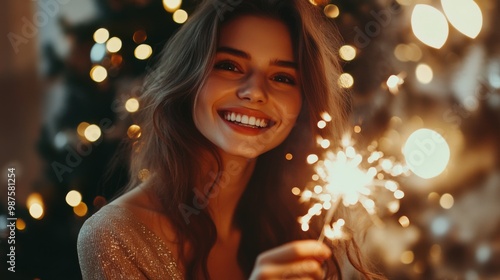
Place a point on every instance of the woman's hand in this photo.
(294, 260)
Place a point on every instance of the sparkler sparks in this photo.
(346, 178)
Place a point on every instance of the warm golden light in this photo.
(81, 209)
(98, 73)
(92, 133)
(36, 211)
(346, 80)
(73, 198)
(171, 5)
(143, 51)
(326, 117)
(143, 174)
(392, 81)
(407, 257)
(357, 129)
(180, 16)
(347, 52)
(20, 224)
(132, 105)
(101, 35)
(34, 198)
(404, 221)
(80, 129)
(114, 44)
(312, 158)
(321, 124)
(295, 191)
(134, 131)
(446, 201)
(424, 73)
(429, 25)
(331, 11)
(325, 143)
(289, 156)
(427, 153)
(464, 15)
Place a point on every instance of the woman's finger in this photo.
(294, 251)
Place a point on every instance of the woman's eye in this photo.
(227, 65)
(284, 79)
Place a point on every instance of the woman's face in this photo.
(252, 97)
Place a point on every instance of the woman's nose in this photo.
(254, 90)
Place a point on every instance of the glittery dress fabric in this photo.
(113, 244)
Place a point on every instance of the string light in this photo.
(92, 133)
(464, 15)
(429, 25)
(346, 80)
(132, 105)
(424, 73)
(98, 73)
(171, 5)
(114, 45)
(331, 11)
(347, 52)
(143, 51)
(180, 16)
(101, 35)
(73, 198)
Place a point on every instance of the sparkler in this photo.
(347, 178)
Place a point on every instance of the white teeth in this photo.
(245, 119)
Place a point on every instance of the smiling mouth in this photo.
(246, 120)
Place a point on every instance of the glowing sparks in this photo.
(347, 178)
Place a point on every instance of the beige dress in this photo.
(113, 244)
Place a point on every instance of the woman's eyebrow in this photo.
(245, 55)
(233, 51)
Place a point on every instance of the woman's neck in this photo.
(224, 195)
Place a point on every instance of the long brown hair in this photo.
(170, 144)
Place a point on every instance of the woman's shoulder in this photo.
(118, 240)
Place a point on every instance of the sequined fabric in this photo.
(112, 244)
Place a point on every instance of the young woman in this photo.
(237, 88)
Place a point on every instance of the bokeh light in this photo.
(36, 211)
(98, 73)
(73, 198)
(134, 131)
(347, 52)
(92, 133)
(346, 80)
(143, 51)
(171, 5)
(101, 35)
(429, 25)
(427, 153)
(97, 52)
(139, 36)
(331, 11)
(180, 16)
(464, 15)
(132, 105)
(114, 44)
(81, 209)
(424, 73)
(446, 201)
